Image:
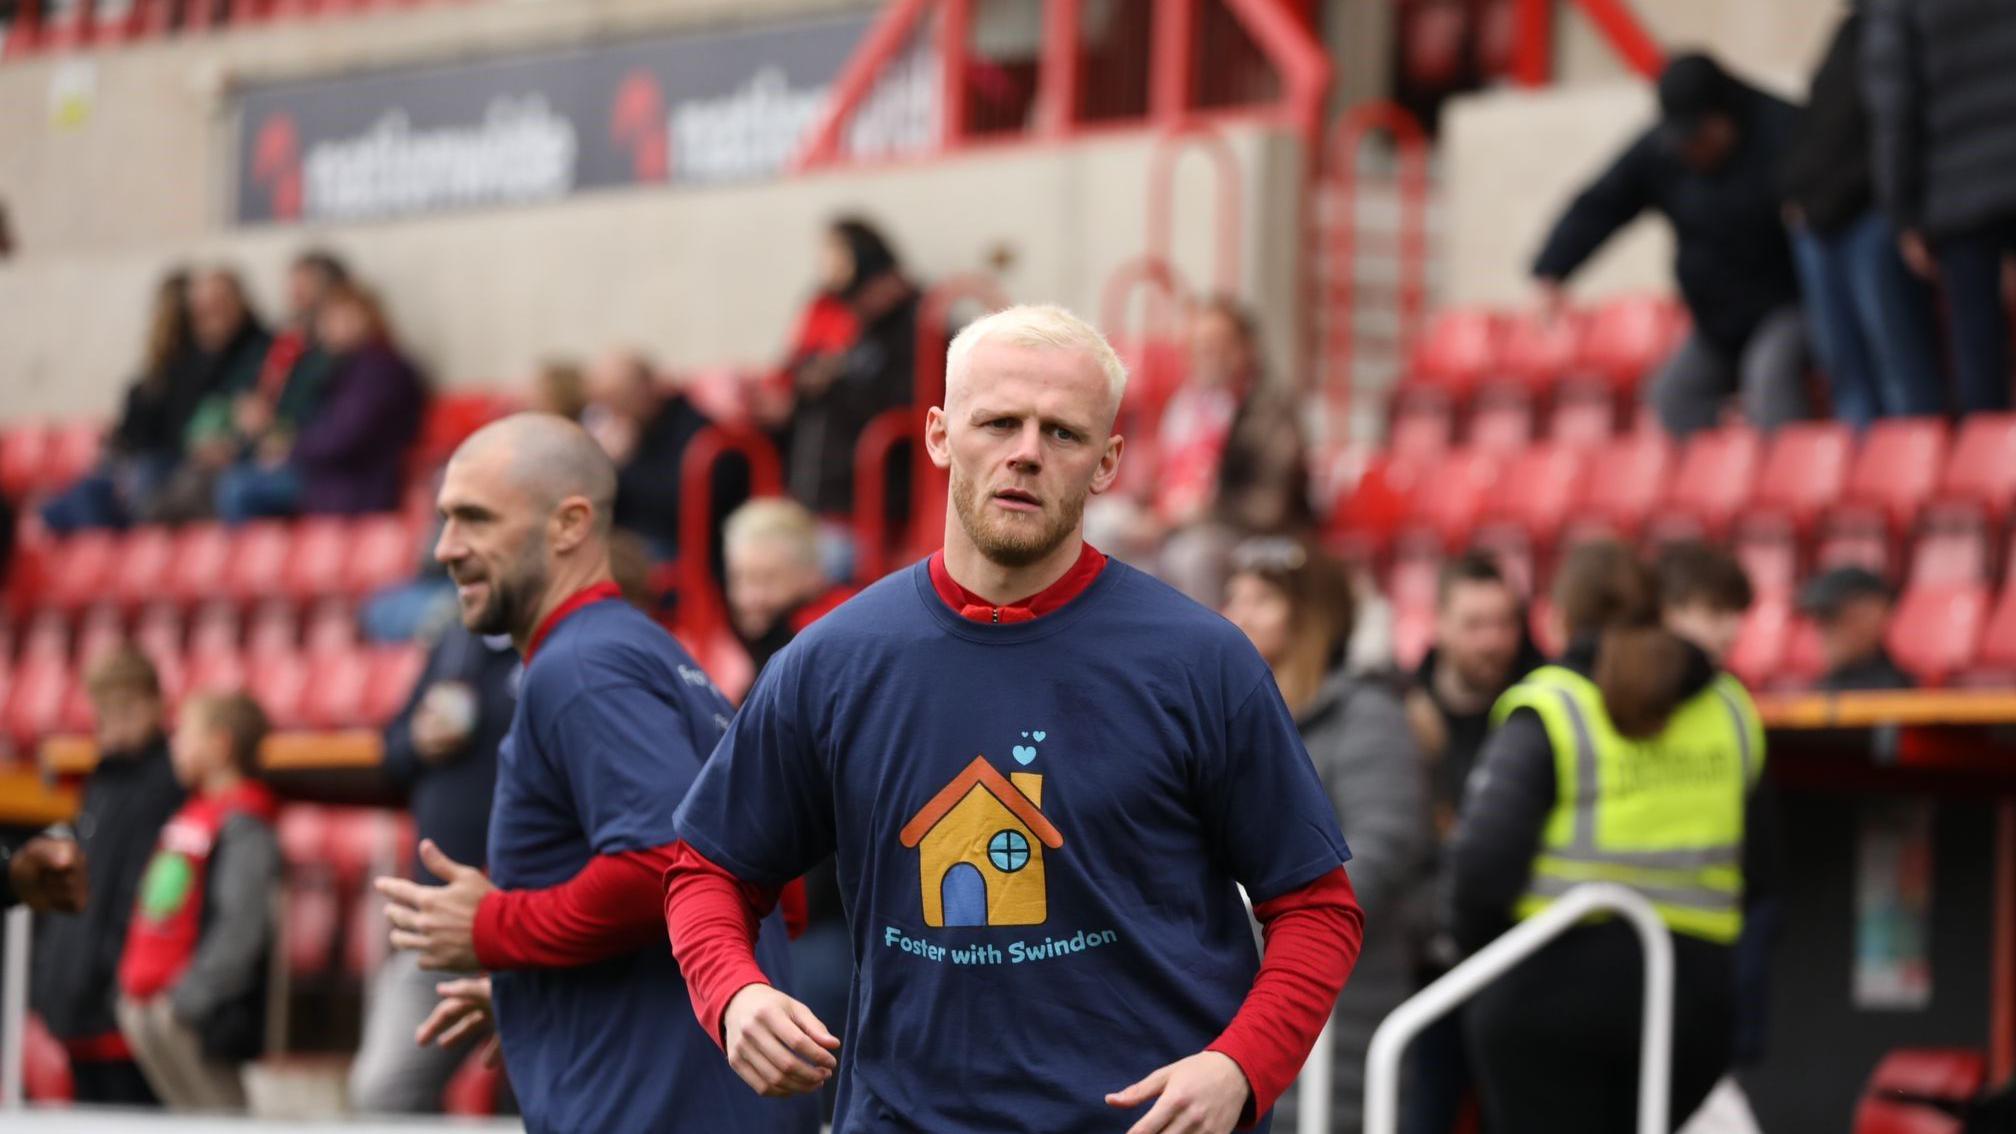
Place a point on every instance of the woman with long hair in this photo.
(1296, 606)
(1632, 760)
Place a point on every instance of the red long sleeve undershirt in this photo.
(1312, 937)
(610, 908)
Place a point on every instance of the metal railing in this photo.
(1382, 1060)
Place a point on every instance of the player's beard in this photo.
(1012, 545)
(514, 597)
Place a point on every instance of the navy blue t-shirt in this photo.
(613, 719)
(1037, 830)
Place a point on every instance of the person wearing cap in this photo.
(1851, 606)
(1709, 165)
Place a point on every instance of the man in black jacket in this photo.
(1943, 95)
(1869, 316)
(645, 429)
(127, 798)
(1710, 166)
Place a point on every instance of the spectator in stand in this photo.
(1703, 595)
(193, 978)
(1943, 98)
(1710, 165)
(442, 749)
(1233, 463)
(350, 454)
(559, 388)
(854, 356)
(775, 587)
(230, 347)
(645, 429)
(1481, 649)
(145, 447)
(1851, 606)
(127, 798)
(1869, 317)
(1296, 607)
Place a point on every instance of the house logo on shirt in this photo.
(980, 844)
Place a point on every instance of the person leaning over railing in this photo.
(1632, 760)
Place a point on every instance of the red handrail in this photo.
(884, 40)
(1230, 205)
(1168, 296)
(701, 608)
(1533, 47)
(1341, 167)
(927, 491)
(871, 492)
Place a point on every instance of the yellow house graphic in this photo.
(980, 849)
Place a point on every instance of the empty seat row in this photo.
(310, 558)
(1716, 482)
(273, 626)
(1465, 351)
(43, 456)
(361, 687)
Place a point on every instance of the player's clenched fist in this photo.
(776, 1044)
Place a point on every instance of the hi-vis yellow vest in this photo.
(1663, 816)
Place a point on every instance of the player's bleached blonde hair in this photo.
(775, 518)
(1035, 325)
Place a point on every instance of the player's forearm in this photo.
(712, 918)
(607, 910)
(1313, 935)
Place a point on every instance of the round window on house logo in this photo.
(1008, 851)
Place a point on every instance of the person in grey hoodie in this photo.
(1296, 606)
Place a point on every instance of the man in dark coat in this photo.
(1943, 96)
(1710, 166)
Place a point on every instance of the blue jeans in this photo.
(251, 492)
(1870, 320)
(1970, 268)
(399, 613)
(109, 496)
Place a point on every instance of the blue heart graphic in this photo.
(1025, 736)
(1024, 753)
(1040, 736)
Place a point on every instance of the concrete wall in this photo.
(696, 276)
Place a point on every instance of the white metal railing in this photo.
(1382, 1061)
(1313, 1086)
(14, 1008)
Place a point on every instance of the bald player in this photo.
(1044, 776)
(613, 721)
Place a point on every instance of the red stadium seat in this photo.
(1805, 470)
(332, 625)
(258, 560)
(451, 418)
(1981, 472)
(721, 394)
(1421, 432)
(1761, 645)
(215, 628)
(1633, 472)
(201, 560)
(382, 552)
(1502, 425)
(1536, 352)
(1451, 496)
(47, 636)
(77, 570)
(1936, 630)
(1770, 562)
(394, 670)
(315, 561)
(73, 450)
(1538, 491)
(1410, 587)
(1627, 338)
(1717, 470)
(279, 682)
(98, 633)
(303, 831)
(1998, 637)
(312, 925)
(1951, 1076)
(336, 696)
(45, 1065)
(35, 699)
(274, 629)
(140, 572)
(1458, 350)
(220, 672)
(1895, 472)
(364, 842)
(1373, 509)
(24, 452)
(1949, 556)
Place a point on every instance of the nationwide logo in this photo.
(521, 151)
(276, 166)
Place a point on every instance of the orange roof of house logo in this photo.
(982, 773)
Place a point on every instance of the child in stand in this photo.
(192, 982)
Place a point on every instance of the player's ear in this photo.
(572, 522)
(1109, 465)
(936, 441)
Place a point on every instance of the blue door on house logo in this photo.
(964, 894)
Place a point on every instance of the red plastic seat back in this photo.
(1717, 470)
(1982, 468)
(76, 571)
(201, 559)
(1898, 468)
(1421, 432)
(1628, 337)
(1936, 630)
(1458, 349)
(1502, 426)
(1539, 489)
(393, 672)
(316, 561)
(259, 556)
(1536, 352)
(1451, 497)
(279, 682)
(140, 573)
(37, 692)
(1627, 477)
(72, 450)
(382, 552)
(24, 451)
(1805, 470)
(1950, 1075)
(335, 699)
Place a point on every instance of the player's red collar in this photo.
(970, 606)
(583, 597)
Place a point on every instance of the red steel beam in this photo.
(886, 37)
